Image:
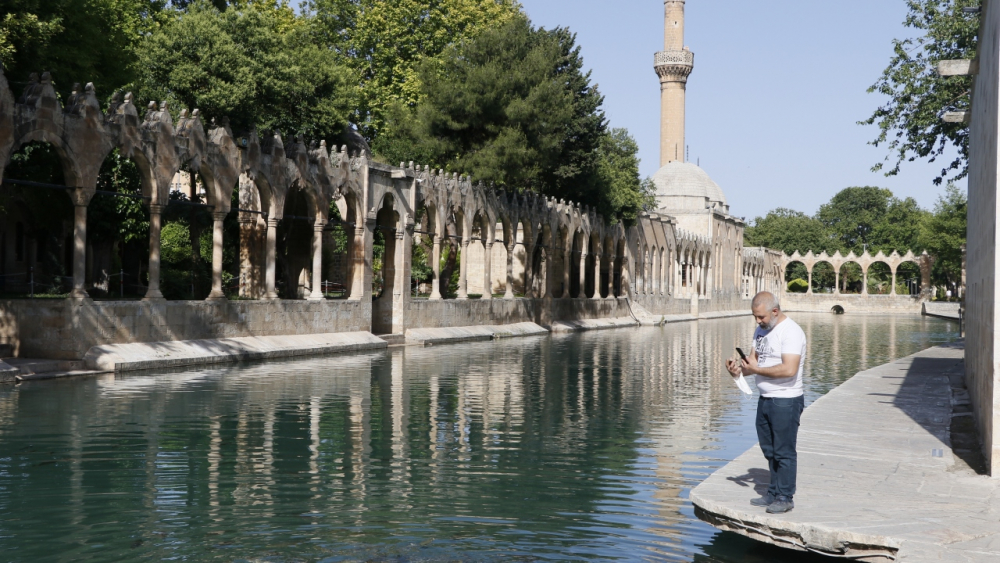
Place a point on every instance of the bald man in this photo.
(779, 353)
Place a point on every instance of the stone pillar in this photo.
(893, 291)
(582, 294)
(269, 253)
(597, 276)
(488, 270)
(217, 293)
(79, 251)
(360, 267)
(810, 288)
(864, 281)
(509, 290)
(836, 281)
(436, 268)
(155, 224)
(317, 266)
(463, 267)
(567, 258)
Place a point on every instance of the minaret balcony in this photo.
(673, 65)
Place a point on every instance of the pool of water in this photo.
(574, 447)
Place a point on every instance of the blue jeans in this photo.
(777, 431)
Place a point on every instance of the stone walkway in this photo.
(878, 479)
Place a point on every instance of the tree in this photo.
(76, 40)
(419, 30)
(943, 234)
(789, 231)
(514, 108)
(256, 63)
(871, 218)
(624, 193)
(910, 122)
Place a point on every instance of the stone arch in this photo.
(878, 278)
(851, 275)
(796, 269)
(822, 277)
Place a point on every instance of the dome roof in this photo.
(683, 179)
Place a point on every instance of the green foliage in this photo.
(789, 231)
(114, 217)
(910, 122)
(77, 40)
(618, 169)
(798, 285)
(943, 234)
(419, 30)
(514, 108)
(861, 216)
(256, 63)
(420, 268)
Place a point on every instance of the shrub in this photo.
(798, 285)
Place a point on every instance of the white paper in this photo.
(741, 382)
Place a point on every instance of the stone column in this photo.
(155, 224)
(217, 293)
(358, 262)
(272, 238)
(567, 258)
(509, 290)
(488, 270)
(550, 266)
(864, 281)
(893, 292)
(436, 268)
(810, 289)
(317, 266)
(582, 294)
(79, 251)
(836, 281)
(463, 267)
(597, 275)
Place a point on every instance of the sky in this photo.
(774, 99)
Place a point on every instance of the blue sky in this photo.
(773, 101)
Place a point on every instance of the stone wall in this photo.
(66, 329)
(852, 303)
(446, 313)
(981, 297)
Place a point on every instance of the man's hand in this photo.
(750, 365)
(734, 367)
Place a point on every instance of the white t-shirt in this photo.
(785, 338)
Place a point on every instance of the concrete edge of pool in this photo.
(878, 479)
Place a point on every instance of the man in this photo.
(776, 362)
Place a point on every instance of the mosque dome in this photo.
(683, 185)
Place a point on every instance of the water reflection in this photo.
(568, 447)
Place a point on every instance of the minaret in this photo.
(673, 65)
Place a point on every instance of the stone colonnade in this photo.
(924, 261)
(564, 250)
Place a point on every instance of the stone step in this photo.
(393, 339)
(33, 366)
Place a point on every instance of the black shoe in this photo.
(781, 505)
(765, 500)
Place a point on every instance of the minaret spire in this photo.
(672, 65)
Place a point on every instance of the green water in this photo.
(578, 447)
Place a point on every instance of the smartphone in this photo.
(740, 352)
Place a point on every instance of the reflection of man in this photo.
(777, 360)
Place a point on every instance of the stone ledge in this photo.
(452, 335)
(592, 324)
(150, 355)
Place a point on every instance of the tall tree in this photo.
(910, 122)
(789, 231)
(76, 40)
(513, 107)
(872, 218)
(256, 63)
(385, 41)
(625, 195)
(943, 234)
